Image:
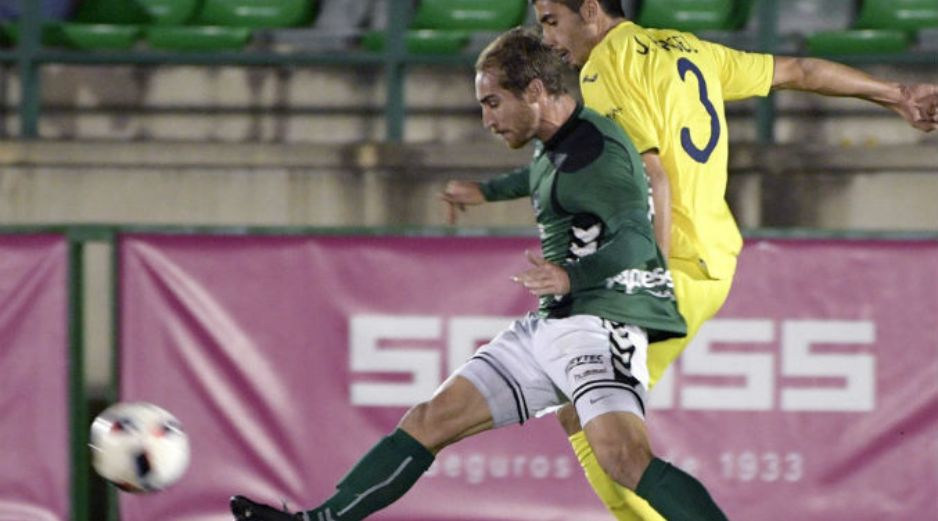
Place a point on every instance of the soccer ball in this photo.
(139, 447)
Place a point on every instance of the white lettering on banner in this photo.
(768, 467)
(477, 468)
(756, 369)
(856, 369)
(365, 333)
(751, 382)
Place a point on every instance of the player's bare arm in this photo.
(458, 195)
(916, 103)
(661, 197)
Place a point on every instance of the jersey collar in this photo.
(568, 126)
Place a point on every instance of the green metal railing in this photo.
(29, 56)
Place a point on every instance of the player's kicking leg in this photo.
(392, 466)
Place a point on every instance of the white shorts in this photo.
(538, 364)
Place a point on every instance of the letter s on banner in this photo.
(856, 369)
(365, 331)
(757, 369)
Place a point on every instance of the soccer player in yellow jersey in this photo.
(667, 90)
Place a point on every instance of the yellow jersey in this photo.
(667, 90)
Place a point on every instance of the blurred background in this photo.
(289, 116)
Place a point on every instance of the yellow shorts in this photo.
(699, 297)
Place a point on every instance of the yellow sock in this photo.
(624, 504)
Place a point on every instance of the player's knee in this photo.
(624, 458)
(569, 419)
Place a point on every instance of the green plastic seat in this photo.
(197, 38)
(256, 13)
(859, 41)
(907, 15)
(168, 12)
(688, 15)
(470, 15)
(421, 41)
(93, 37)
(89, 37)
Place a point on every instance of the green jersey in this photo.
(591, 198)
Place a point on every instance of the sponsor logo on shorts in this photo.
(584, 360)
(599, 398)
(588, 373)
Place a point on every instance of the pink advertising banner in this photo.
(34, 431)
(812, 396)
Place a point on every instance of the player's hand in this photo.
(919, 106)
(545, 278)
(458, 195)
(245, 509)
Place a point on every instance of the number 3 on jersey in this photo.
(700, 155)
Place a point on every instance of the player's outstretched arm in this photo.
(916, 103)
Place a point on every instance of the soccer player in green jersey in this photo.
(604, 290)
(667, 90)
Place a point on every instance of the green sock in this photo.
(380, 478)
(677, 495)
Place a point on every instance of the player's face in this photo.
(513, 118)
(565, 31)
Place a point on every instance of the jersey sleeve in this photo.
(512, 185)
(742, 74)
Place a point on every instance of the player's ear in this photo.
(534, 90)
(589, 10)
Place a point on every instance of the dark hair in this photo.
(519, 57)
(611, 7)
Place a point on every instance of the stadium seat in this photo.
(117, 24)
(448, 26)
(882, 26)
(421, 41)
(688, 15)
(228, 24)
(256, 13)
(92, 37)
(907, 15)
(84, 36)
(858, 41)
(469, 15)
(168, 12)
(197, 38)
